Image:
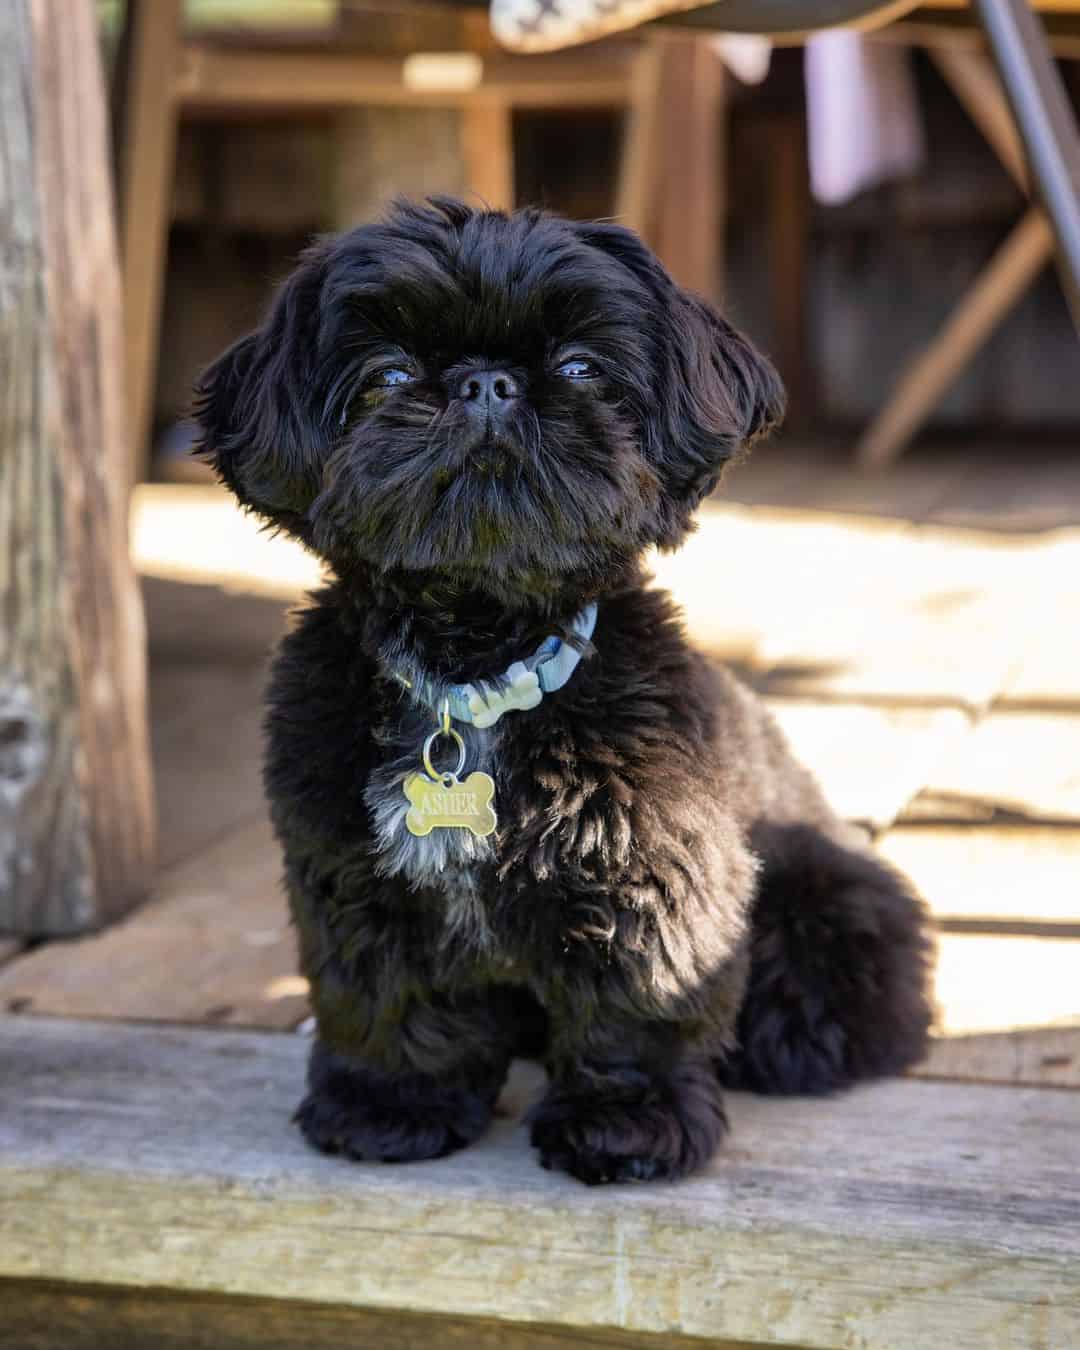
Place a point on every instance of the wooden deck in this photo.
(919, 638)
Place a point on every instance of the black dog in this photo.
(481, 422)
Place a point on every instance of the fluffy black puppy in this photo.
(481, 422)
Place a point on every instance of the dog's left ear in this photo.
(722, 395)
(715, 393)
(259, 409)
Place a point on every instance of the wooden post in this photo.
(76, 810)
(487, 145)
(146, 161)
(690, 214)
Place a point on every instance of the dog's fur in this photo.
(668, 903)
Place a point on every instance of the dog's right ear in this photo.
(259, 410)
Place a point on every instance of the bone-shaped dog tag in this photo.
(447, 803)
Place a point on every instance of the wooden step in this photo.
(137, 1162)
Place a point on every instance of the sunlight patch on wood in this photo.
(188, 532)
(1002, 983)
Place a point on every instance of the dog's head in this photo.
(510, 401)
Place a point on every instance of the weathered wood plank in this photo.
(1045, 1057)
(762, 618)
(913, 1214)
(220, 920)
(76, 824)
(995, 494)
(187, 623)
(1007, 876)
(1005, 983)
(9, 949)
(207, 739)
(44, 1316)
(874, 611)
(870, 761)
(1024, 764)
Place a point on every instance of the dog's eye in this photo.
(577, 368)
(390, 376)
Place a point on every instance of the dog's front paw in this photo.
(670, 1129)
(392, 1120)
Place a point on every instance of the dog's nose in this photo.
(488, 392)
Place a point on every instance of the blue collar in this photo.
(520, 687)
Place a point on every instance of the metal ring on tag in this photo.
(455, 736)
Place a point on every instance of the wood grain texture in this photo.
(43, 1316)
(908, 1214)
(1045, 1057)
(76, 809)
(217, 923)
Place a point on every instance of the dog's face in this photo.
(514, 403)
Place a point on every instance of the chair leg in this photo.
(690, 194)
(1046, 124)
(971, 77)
(1001, 284)
(487, 133)
(146, 160)
(639, 158)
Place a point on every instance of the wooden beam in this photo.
(217, 77)
(905, 1214)
(76, 811)
(146, 158)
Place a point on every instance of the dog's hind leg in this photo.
(839, 985)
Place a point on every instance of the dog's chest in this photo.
(447, 858)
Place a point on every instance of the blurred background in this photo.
(274, 141)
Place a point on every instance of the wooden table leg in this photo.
(690, 186)
(146, 136)
(487, 142)
(639, 159)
